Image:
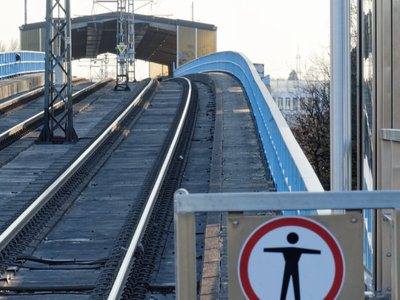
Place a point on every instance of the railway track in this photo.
(9, 135)
(16, 102)
(92, 231)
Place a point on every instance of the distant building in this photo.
(293, 75)
(290, 95)
(260, 69)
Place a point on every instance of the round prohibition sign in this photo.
(287, 226)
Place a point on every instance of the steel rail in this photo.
(25, 217)
(35, 92)
(128, 259)
(36, 117)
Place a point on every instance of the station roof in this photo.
(155, 37)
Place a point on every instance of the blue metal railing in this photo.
(20, 62)
(289, 166)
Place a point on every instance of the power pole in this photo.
(298, 62)
(26, 12)
(125, 48)
(192, 11)
(125, 44)
(131, 40)
(58, 73)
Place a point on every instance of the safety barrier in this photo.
(289, 166)
(20, 62)
(188, 205)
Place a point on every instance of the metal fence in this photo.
(289, 166)
(20, 62)
(186, 205)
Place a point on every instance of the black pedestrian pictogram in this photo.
(292, 256)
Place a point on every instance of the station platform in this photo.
(13, 86)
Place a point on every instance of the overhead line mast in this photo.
(58, 73)
(125, 44)
(125, 38)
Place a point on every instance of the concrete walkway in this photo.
(237, 166)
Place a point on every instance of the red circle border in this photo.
(291, 221)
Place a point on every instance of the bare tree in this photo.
(2, 46)
(13, 45)
(311, 125)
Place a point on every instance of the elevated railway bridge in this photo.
(94, 219)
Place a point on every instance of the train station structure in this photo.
(158, 40)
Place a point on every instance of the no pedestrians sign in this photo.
(291, 258)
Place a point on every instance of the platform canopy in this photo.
(157, 39)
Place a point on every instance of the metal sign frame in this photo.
(186, 205)
(341, 233)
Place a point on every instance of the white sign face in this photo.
(291, 258)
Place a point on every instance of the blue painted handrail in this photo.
(20, 62)
(289, 166)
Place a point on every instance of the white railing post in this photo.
(185, 250)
